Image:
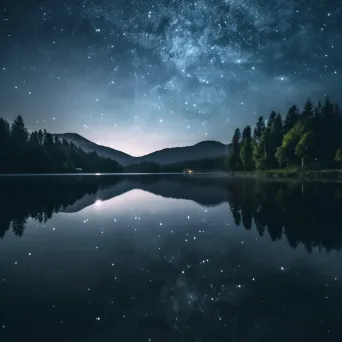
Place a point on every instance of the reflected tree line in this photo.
(308, 214)
(39, 199)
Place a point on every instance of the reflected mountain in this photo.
(204, 193)
(308, 214)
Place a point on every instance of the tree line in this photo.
(41, 152)
(313, 134)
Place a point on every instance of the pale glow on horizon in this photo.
(137, 145)
(98, 203)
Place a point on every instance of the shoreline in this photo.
(268, 174)
(285, 175)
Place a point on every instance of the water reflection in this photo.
(170, 259)
(308, 214)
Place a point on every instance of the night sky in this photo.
(143, 75)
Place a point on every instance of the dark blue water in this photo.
(169, 258)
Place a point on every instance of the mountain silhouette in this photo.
(103, 151)
(202, 150)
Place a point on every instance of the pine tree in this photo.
(260, 153)
(328, 131)
(19, 132)
(271, 119)
(291, 119)
(4, 133)
(276, 138)
(40, 137)
(246, 133)
(307, 116)
(259, 129)
(234, 162)
(246, 149)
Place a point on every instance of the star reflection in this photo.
(144, 274)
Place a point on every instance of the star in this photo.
(163, 63)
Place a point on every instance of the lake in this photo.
(169, 258)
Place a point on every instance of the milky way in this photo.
(143, 75)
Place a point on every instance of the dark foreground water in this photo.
(169, 259)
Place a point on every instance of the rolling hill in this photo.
(202, 150)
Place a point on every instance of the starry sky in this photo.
(142, 75)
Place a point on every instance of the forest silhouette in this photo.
(313, 134)
(307, 214)
(40, 152)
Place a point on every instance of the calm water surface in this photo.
(171, 258)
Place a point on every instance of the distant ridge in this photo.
(202, 150)
(103, 151)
